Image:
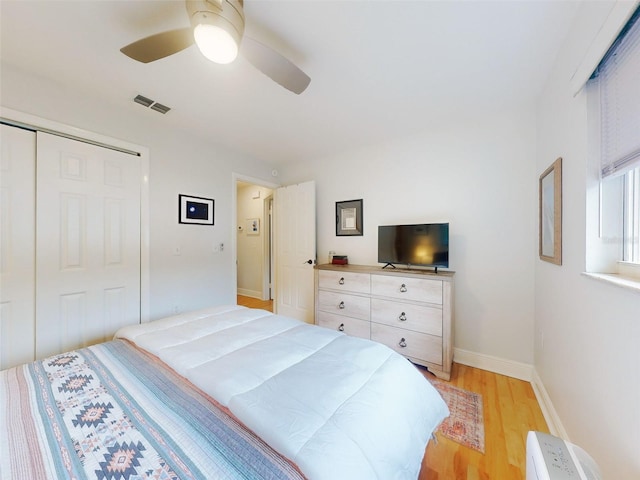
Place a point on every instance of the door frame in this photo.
(235, 178)
(33, 122)
(269, 259)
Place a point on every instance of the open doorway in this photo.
(254, 241)
(286, 253)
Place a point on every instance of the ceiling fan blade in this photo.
(274, 65)
(159, 45)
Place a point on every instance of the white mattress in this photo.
(337, 406)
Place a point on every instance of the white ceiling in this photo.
(379, 69)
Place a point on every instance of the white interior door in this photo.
(88, 243)
(295, 247)
(17, 246)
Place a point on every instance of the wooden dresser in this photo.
(408, 310)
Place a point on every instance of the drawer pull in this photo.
(341, 327)
(341, 306)
(403, 343)
(403, 288)
(341, 281)
(403, 317)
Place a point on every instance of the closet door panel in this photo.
(17, 245)
(88, 245)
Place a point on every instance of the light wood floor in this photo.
(510, 411)
(255, 303)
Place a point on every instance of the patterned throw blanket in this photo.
(112, 411)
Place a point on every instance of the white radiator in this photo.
(551, 458)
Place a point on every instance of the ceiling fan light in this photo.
(215, 43)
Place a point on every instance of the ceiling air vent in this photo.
(147, 102)
(158, 107)
(143, 100)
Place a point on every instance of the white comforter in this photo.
(340, 407)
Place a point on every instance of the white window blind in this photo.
(619, 77)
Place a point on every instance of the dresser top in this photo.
(393, 272)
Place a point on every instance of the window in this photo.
(614, 90)
(631, 218)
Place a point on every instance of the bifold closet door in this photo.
(17, 245)
(87, 243)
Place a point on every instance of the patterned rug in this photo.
(465, 425)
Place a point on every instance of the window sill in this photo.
(629, 283)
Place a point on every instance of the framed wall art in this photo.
(195, 210)
(550, 213)
(349, 218)
(253, 226)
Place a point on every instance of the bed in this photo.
(227, 392)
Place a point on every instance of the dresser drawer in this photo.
(351, 326)
(344, 304)
(346, 281)
(419, 318)
(421, 346)
(407, 288)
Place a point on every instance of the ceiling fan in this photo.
(217, 28)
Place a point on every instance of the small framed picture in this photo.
(253, 226)
(349, 218)
(195, 210)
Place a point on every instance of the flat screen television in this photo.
(424, 245)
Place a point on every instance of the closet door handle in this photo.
(403, 288)
(402, 343)
(341, 305)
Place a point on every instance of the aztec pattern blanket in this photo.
(114, 412)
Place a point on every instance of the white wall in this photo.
(478, 174)
(179, 163)
(587, 348)
(251, 251)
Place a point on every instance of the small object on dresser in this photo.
(340, 260)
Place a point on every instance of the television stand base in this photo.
(389, 264)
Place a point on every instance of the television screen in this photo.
(425, 244)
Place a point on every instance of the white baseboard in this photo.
(548, 411)
(521, 371)
(510, 368)
(250, 293)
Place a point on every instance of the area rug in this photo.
(465, 425)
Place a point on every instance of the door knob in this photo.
(310, 262)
